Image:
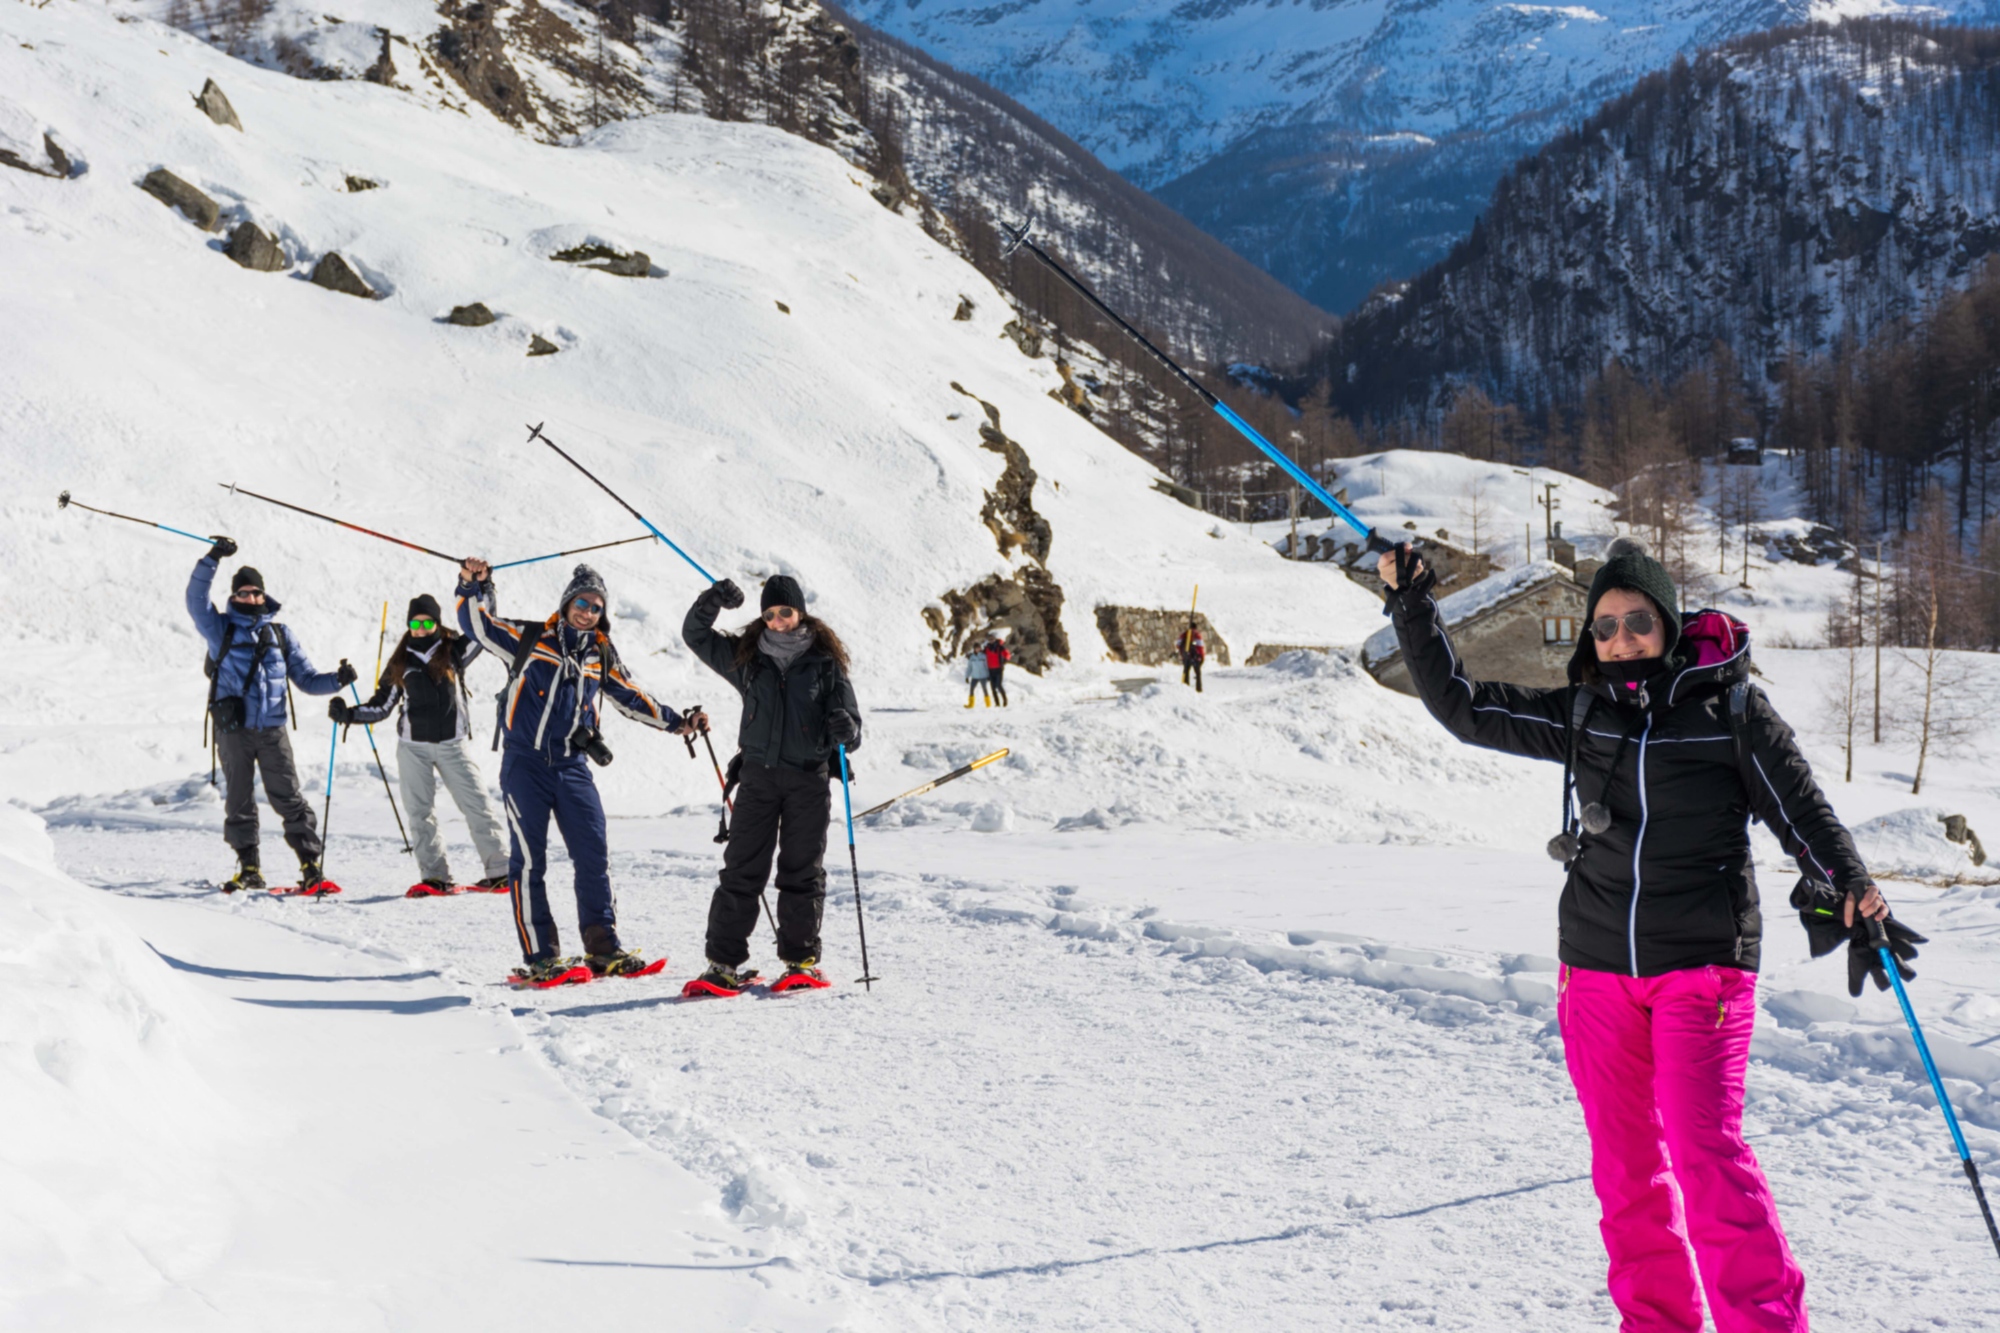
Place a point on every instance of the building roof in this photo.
(1467, 603)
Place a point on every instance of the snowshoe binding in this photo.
(800, 976)
(491, 884)
(623, 963)
(312, 884)
(548, 973)
(432, 888)
(720, 982)
(247, 877)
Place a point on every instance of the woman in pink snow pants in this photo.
(1659, 926)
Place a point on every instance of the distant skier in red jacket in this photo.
(997, 658)
(1194, 651)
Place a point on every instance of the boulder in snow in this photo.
(474, 316)
(540, 346)
(964, 311)
(1917, 844)
(174, 192)
(254, 248)
(337, 275)
(604, 259)
(215, 105)
(58, 167)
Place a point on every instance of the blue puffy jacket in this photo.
(258, 677)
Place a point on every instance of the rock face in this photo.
(337, 275)
(215, 105)
(58, 167)
(174, 192)
(540, 346)
(254, 248)
(1028, 603)
(1147, 637)
(604, 259)
(474, 316)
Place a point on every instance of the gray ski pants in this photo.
(419, 765)
(269, 751)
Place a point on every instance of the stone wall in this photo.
(1147, 637)
(1506, 643)
(1266, 653)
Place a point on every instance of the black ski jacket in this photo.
(784, 712)
(431, 710)
(1669, 885)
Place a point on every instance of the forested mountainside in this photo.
(1775, 195)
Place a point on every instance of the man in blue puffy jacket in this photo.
(562, 667)
(253, 657)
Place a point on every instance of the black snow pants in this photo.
(269, 751)
(781, 809)
(998, 682)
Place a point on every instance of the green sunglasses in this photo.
(422, 622)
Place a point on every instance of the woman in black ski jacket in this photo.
(425, 679)
(798, 706)
(1659, 925)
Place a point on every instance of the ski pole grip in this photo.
(1379, 544)
(1878, 934)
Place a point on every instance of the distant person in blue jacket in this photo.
(252, 656)
(560, 668)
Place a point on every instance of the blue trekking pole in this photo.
(1879, 937)
(63, 502)
(535, 433)
(407, 849)
(867, 979)
(1019, 236)
(326, 810)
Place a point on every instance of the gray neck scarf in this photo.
(784, 647)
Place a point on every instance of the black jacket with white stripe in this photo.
(430, 702)
(1669, 885)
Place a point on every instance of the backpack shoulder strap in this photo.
(1739, 735)
(215, 662)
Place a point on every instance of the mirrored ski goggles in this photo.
(422, 623)
(778, 613)
(588, 607)
(1641, 623)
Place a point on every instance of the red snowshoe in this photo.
(718, 982)
(800, 976)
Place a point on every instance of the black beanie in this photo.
(423, 604)
(1628, 565)
(246, 577)
(783, 590)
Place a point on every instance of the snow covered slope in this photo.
(779, 394)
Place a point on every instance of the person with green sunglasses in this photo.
(423, 685)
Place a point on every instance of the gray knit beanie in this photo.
(584, 580)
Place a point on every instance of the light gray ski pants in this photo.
(419, 765)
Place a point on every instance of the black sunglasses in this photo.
(1640, 623)
(778, 613)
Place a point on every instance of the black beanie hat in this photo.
(783, 590)
(423, 604)
(246, 577)
(1628, 565)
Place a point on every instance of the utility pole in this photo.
(1878, 641)
(1549, 505)
(1292, 551)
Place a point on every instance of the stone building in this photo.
(1520, 626)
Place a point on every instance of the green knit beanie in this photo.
(1628, 565)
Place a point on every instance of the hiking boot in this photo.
(310, 877)
(720, 980)
(801, 976)
(247, 877)
(493, 884)
(623, 963)
(548, 969)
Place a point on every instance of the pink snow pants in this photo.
(1658, 1064)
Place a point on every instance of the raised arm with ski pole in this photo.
(1021, 238)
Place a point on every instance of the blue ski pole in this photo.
(1019, 235)
(63, 502)
(867, 978)
(407, 849)
(535, 433)
(1880, 939)
(326, 810)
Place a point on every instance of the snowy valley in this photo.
(1200, 1010)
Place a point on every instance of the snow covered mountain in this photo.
(1335, 144)
(1776, 194)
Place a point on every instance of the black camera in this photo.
(589, 740)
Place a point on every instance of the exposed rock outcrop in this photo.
(214, 104)
(474, 316)
(174, 192)
(964, 311)
(254, 248)
(605, 259)
(58, 168)
(337, 275)
(540, 346)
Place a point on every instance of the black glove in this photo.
(337, 710)
(345, 673)
(726, 594)
(842, 727)
(224, 548)
(1414, 578)
(1864, 958)
(1819, 905)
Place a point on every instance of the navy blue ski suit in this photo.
(541, 775)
